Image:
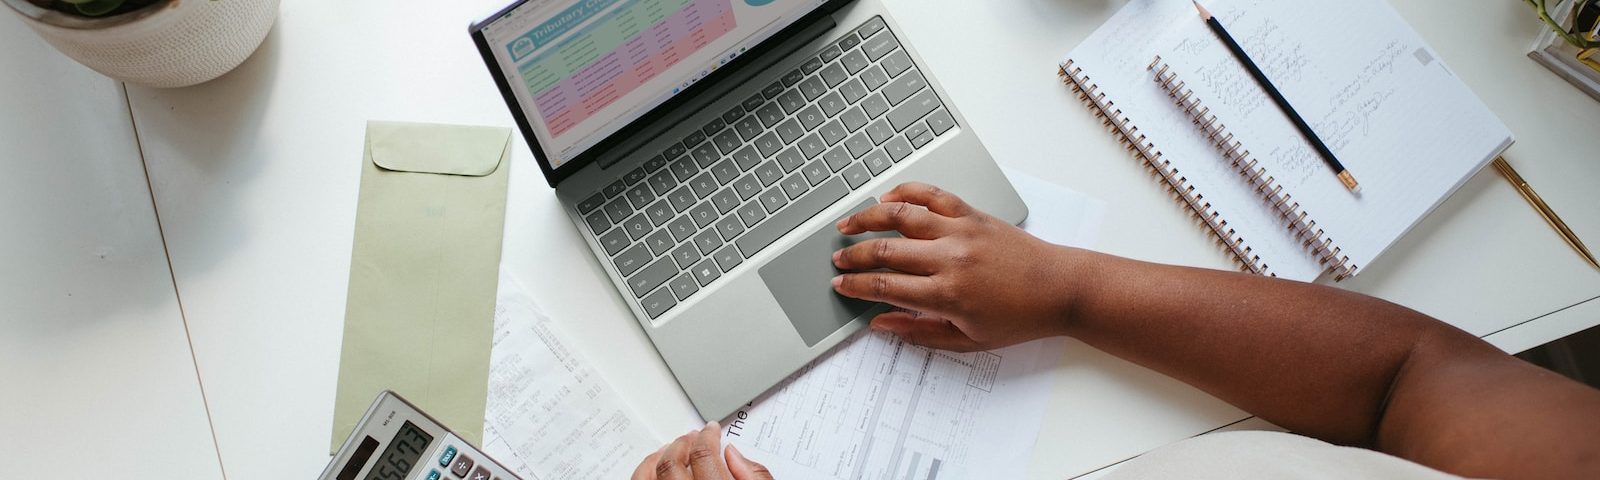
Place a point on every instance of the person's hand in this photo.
(978, 282)
(699, 455)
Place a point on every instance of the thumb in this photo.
(920, 329)
(744, 468)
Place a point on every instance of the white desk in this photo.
(255, 178)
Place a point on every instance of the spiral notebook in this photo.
(1375, 93)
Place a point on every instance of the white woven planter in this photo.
(180, 43)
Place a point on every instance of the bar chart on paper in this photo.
(598, 51)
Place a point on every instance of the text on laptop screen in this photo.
(581, 70)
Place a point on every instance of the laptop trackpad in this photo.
(800, 279)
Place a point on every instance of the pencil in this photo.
(1277, 97)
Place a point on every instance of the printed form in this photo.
(880, 408)
(549, 416)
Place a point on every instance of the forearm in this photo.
(1313, 359)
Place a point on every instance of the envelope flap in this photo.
(439, 149)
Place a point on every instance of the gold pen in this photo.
(1544, 209)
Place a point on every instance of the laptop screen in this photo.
(583, 69)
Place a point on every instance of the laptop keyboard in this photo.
(675, 224)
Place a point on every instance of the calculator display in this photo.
(404, 450)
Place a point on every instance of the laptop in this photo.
(705, 149)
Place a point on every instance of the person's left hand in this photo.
(699, 455)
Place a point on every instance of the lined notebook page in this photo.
(1114, 57)
(1377, 95)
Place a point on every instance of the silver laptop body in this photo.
(714, 216)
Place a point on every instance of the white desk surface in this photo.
(255, 178)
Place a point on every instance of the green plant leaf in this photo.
(95, 8)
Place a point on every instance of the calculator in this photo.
(396, 441)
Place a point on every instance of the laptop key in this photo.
(727, 141)
(792, 100)
(795, 185)
(769, 144)
(747, 186)
(614, 242)
(632, 260)
(811, 65)
(683, 286)
(660, 242)
(655, 163)
(812, 88)
(729, 228)
(898, 148)
(733, 114)
(853, 91)
(880, 132)
(662, 182)
(941, 122)
(752, 213)
(637, 227)
(849, 41)
(855, 61)
(682, 228)
(683, 169)
(859, 145)
(790, 130)
(658, 303)
(728, 257)
(904, 87)
(708, 241)
(875, 105)
(706, 272)
(703, 185)
(769, 173)
(830, 53)
(914, 109)
(896, 63)
(681, 199)
(704, 155)
(615, 188)
(772, 90)
(754, 102)
(597, 222)
(815, 172)
(919, 134)
(659, 212)
(877, 162)
(878, 46)
(714, 126)
(618, 210)
(633, 176)
(591, 203)
(774, 199)
(857, 175)
(694, 139)
(640, 196)
(837, 158)
(725, 171)
(770, 115)
(674, 151)
(780, 224)
(793, 77)
(748, 127)
(874, 77)
(834, 75)
(652, 276)
(725, 200)
(833, 132)
(703, 214)
(854, 119)
(790, 159)
(811, 117)
(811, 146)
(685, 255)
(871, 27)
(832, 104)
(746, 158)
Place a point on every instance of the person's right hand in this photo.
(980, 282)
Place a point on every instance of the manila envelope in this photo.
(419, 319)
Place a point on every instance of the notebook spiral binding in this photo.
(1296, 219)
(1143, 150)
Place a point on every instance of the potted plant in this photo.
(158, 43)
(1570, 46)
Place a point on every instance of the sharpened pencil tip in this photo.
(1204, 14)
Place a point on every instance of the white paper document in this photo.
(880, 408)
(548, 415)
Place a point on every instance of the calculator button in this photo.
(447, 457)
(434, 475)
(461, 466)
(479, 474)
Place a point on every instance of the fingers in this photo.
(899, 289)
(645, 470)
(705, 458)
(925, 331)
(744, 468)
(936, 199)
(917, 257)
(913, 221)
(673, 464)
